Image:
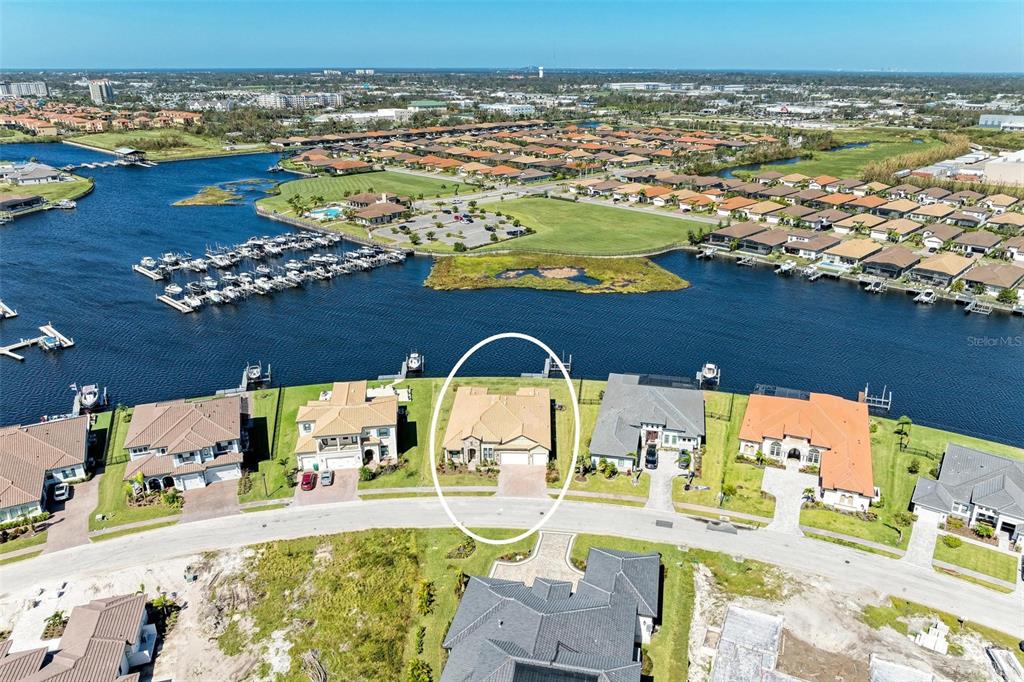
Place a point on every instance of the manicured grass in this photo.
(600, 500)
(266, 507)
(719, 468)
(211, 196)
(163, 144)
(889, 465)
(848, 163)
(587, 229)
(853, 545)
(988, 585)
(337, 188)
(266, 463)
(23, 542)
(981, 559)
(612, 275)
(50, 191)
(112, 501)
(21, 557)
(132, 530)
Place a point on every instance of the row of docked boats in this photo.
(266, 279)
(223, 257)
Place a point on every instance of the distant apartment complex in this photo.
(507, 109)
(101, 91)
(308, 100)
(26, 89)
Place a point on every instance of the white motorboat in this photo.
(263, 269)
(148, 262)
(229, 278)
(209, 282)
(214, 296)
(173, 289)
(926, 297)
(709, 375)
(193, 301)
(414, 363)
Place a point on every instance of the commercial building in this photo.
(1006, 170)
(508, 109)
(1001, 121)
(25, 89)
(101, 91)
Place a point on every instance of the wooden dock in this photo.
(152, 274)
(7, 311)
(180, 306)
(51, 339)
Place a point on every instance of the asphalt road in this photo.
(847, 571)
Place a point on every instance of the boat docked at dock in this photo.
(926, 297)
(709, 376)
(173, 289)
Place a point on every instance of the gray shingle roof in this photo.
(504, 631)
(632, 399)
(972, 476)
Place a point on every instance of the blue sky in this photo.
(903, 35)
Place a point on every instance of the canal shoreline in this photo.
(198, 157)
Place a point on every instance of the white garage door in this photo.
(351, 462)
(515, 458)
(191, 481)
(223, 474)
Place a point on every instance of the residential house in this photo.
(794, 214)
(901, 191)
(793, 179)
(968, 219)
(764, 243)
(819, 430)
(186, 444)
(892, 262)
(726, 208)
(748, 647)
(639, 412)
(897, 209)
(822, 220)
(487, 428)
(36, 457)
(998, 203)
(725, 236)
(367, 199)
(993, 278)
(867, 202)
(811, 248)
(762, 210)
(767, 177)
(857, 222)
(931, 195)
(896, 230)
(931, 212)
(977, 488)
(549, 631)
(380, 214)
(962, 198)
(347, 428)
(870, 188)
(1010, 222)
(849, 254)
(805, 196)
(822, 182)
(977, 242)
(1015, 249)
(942, 269)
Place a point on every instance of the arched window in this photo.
(814, 455)
(775, 449)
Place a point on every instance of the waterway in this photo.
(72, 268)
(729, 173)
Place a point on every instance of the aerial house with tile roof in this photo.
(347, 428)
(36, 457)
(186, 444)
(490, 428)
(820, 430)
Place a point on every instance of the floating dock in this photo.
(180, 306)
(7, 311)
(51, 339)
(152, 274)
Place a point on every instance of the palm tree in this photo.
(903, 429)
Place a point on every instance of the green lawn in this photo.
(981, 559)
(266, 471)
(20, 557)
(163, 144)
(587, 229)
(890, 465)
(23, 542)
(50, 191)
(611, 275)
(336, 188)
(719, 467)
(112, 500)
(131, 531)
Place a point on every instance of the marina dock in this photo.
(180, 306)
(6, 311)
(154, 275)
(51, 339)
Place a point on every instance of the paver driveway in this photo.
(69, 525)
(550, 559)
(216, 499)
(522, 480)
(342, 490)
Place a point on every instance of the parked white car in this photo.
(61, 492)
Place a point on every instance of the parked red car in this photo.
(308, 480)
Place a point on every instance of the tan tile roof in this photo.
(949, 264)
(900, 226)
(346, 412)
(855, 248)
(27, 452)
(826, 421)
(1002, 275)
(181, 426)
(499, 419)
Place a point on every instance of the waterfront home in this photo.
(942, 269)
(507, 630)
(767, 177)
(819, 430)
(897, 209)
(977, 488)
(762, 210)
(102, 641)
(764, 243)
(16, 203)
(36, 457)
(346, 428)
(998, 203)
(641, 412)
(380, 214)
(849, 254)
(822, 220)
(860, 222)
(348, 166)
(976, 242)
(1015, 249)
(931, 212)
(726, 208)
(31, 173)
(487, 428)
(726, 236)
(367, 199)
(892, 262)
(811, 248)
(993, 278)
(186, 444)
(895, 230)
(937, 235)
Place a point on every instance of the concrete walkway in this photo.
(787, 485)
(921, 547)
(69, 526)
(550, 559)
(660, 497)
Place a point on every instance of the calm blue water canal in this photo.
(73, 268)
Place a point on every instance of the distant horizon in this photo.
(834, 36)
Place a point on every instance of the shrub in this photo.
(421, 634)
(366, 474)
(419, 671)
(25, 521)
(464, 550)
(172, 498)
(245, 483)
(612, 471)
(951, 541)
(459, 247)
(954, 522)
(914, 466)
(425, 597)
(903, 519)
(729, 490)
(984, 531)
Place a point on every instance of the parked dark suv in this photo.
(651, 458)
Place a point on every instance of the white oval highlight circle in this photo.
(575, 448)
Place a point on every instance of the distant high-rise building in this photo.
(26, 89)
(364, 72)
(540, 72)
(101, 91)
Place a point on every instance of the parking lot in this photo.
(453, 228)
